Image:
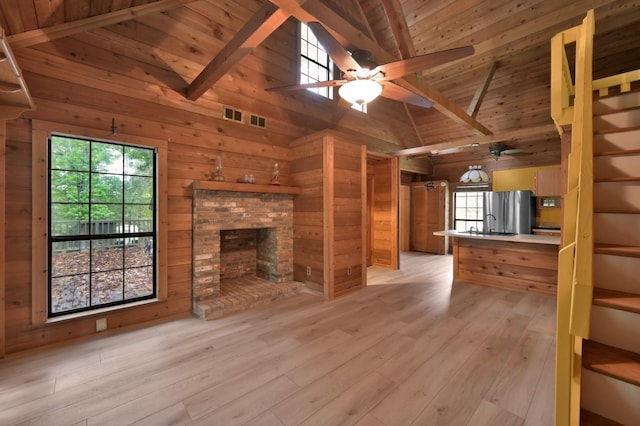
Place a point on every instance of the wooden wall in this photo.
(385, 220)
(73, 85)
(308, 214)
(330, 214)
(135, 73)
(2, 233)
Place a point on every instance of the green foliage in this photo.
(94, 179)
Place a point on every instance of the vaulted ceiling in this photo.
(228, 52)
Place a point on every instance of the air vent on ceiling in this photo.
(258, 121)
(232, 114)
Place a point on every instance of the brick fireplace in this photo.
(238, 234)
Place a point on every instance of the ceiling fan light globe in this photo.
(360, 91)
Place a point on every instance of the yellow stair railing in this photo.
(573, 105)
(575, 280)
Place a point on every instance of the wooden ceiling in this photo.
(195, 45)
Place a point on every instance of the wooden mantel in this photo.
(244, 187)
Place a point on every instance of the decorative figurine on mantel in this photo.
(218, 176)
(275, 178)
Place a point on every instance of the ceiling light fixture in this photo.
(475, 174)
(360, 91)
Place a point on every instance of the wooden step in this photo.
(617, 141)
(628, 119)
(615, 327)
(617, 250)
(616, 197)
(620, 300)
(625, 269)
(617, 166)
(618, 179)
(588, 418)
(613, 362)
(617, 211)
(617, 153)
(612, 398)
(616, 228)
(616, 102)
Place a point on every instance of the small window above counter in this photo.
(547, 202)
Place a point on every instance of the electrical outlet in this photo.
(101, 324)
(308, 271)
(349, 271)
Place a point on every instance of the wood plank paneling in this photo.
(329, 221)
(531, 268)
(384, 226)
(3, 145)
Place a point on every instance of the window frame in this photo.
(477, 223)
(330, 68)
(122, 232)
(41, 132)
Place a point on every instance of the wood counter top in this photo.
(519, 238)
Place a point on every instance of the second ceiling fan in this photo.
(363, 80)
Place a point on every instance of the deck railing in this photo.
(573, 105)
(99, 227)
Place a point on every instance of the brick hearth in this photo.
(257, 230)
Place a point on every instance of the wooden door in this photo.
(436, 209)
(428, 214)
(405, 218)
(418, 218)
(370, 192)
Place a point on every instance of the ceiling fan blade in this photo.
(398, 69)
(515, 151)
(398, 93)
(339, 54)
(329, 83)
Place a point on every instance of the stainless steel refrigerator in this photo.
(509, 211)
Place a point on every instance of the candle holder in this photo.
(275, 177)
(218, 176)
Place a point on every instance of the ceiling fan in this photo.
(499, 149)
(363, 79)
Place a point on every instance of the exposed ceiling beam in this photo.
(265, 21)
(14, 93)
(399, 28)
(542, 132)
(404, 43)
(351, 37)
(474, 106)
(43, 35)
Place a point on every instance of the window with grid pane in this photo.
(315, 63)
(101, 224)
(468, 210)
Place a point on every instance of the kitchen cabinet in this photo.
(547, 183)
(509, 263)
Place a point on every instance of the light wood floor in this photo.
(409, 349)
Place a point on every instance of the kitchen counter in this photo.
(525, 263)
(519, 238)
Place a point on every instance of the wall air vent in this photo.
(232, 114)
(258, 121)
